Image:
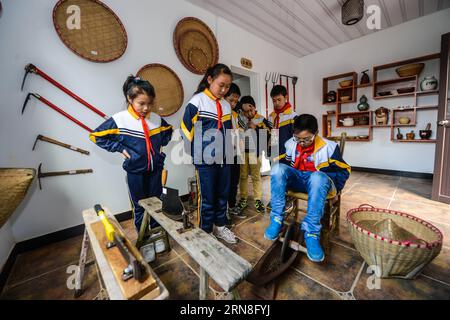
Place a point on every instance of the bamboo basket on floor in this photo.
(14, 184)
(394, 259)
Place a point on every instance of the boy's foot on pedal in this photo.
(313, 247)
(273, 230)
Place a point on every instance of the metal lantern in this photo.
(352, 11)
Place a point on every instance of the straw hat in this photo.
(98, 35)
(195, 45)
(168, 88)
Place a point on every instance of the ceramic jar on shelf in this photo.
(429, 84)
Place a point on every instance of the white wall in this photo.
(412, 39)
(27, 35)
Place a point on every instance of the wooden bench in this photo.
(217, 261)
(111, 263)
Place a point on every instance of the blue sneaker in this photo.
(273, 230)
(313, 248)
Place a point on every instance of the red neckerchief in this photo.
(219, 114)
(303, 153)
(278, 112)
(148, 142)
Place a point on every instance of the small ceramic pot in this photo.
(429, 83)
(363, 105)
(410, 136)
(348, 122)
(331, 96)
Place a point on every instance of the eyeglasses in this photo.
(305, 140)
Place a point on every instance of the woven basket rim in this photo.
(369, 208)
(151, 65)
(74, 50)
(214, 45)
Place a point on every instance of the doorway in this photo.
(248, 82)
(441, 179)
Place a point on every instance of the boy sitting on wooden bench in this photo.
(317, 168)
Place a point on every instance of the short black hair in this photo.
(249, 100)
(306, 122)
(278, 90)
(234, 89)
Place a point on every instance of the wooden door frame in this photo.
(442, 114)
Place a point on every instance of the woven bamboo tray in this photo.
(14, 184)
(168, 88)
(101, 37)
(195, 45)
(395, 259)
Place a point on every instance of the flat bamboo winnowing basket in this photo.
(393, 258)
(14, 184)
(90, 29)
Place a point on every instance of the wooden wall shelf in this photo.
(416, 140)
(378, 86)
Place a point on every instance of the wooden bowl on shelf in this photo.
(406, 90)
(346, 83)
(346, 98)
(384, 93)
(410, 70)
(404, 120)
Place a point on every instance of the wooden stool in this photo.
(330, 219)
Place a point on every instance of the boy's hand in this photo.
(126, 154)
(251, 125)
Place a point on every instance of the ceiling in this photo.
(303, 27)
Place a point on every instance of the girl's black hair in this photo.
(234, 89)
(248, 100)
(213, 72)
(306, 122)
(135, 86)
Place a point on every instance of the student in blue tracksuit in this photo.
(139, 135)
(317, 168)
(206, 119)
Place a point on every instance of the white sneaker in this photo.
(148, 252)
(225, 234)
(160, 246)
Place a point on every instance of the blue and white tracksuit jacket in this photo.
(285, 132)
(199, 129)
(124, 131)
(327, 159)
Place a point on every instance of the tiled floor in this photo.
(45, 273)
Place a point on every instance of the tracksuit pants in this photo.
(214, 184)
(235, 170)
(143, 186)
